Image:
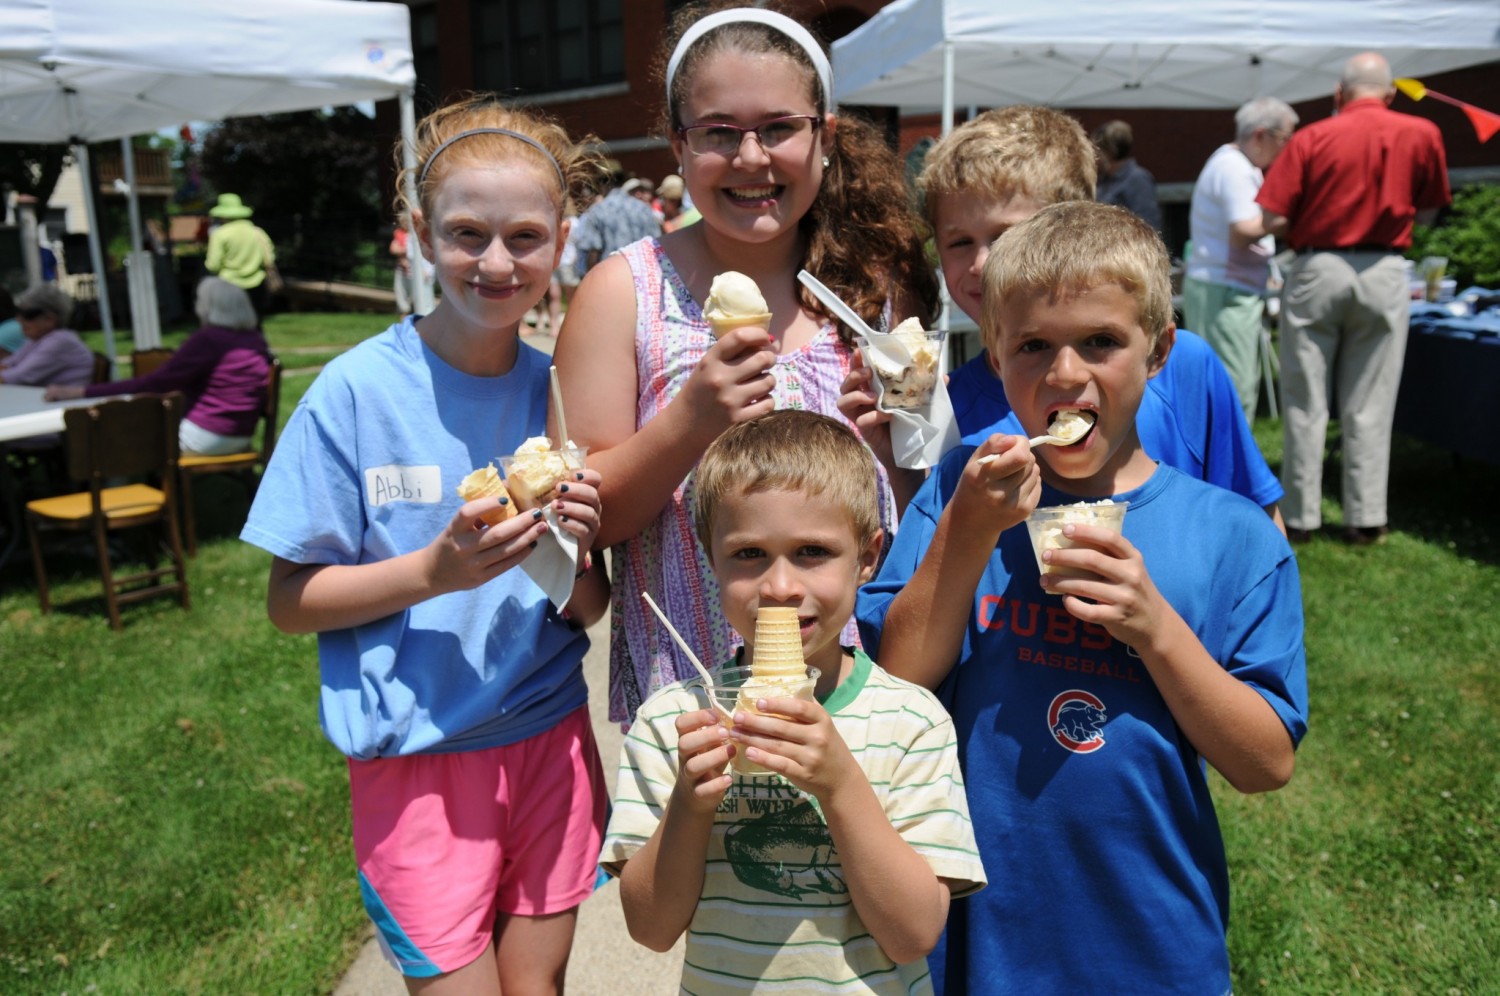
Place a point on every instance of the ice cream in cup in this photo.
(738, 688)
(1046, 528)
(534, 470)
(734, 301)
(907, 363)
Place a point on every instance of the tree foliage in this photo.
(312, 178)
(1468, 234)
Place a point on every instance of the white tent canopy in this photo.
(80, 71)
(1148, 53)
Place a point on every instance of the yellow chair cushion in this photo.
(122, 502)
(196, 462)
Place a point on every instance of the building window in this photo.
(424, 56)
(521, 46)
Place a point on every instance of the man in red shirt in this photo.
(1344, 193)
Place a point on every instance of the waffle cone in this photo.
(486, 483)
(723, 326)
(778, 645)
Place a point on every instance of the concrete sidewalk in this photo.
(605, 959)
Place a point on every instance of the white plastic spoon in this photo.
(1074, 429)
(1067, 428)
(835, 304)
(708, 679)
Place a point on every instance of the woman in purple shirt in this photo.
(52, 353)
(221, 371)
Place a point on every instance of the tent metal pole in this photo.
(145, 321)
(945, 303)
(423, 300)
(96, 254)
(949, 59)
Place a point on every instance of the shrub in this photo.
(1468, 233)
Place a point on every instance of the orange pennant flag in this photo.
(1485, 122)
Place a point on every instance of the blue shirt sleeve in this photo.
(919, 523)
(1191, 419)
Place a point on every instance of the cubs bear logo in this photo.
(1076, 719)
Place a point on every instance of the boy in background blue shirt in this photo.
(996, 171)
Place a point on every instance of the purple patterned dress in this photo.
(665, 559)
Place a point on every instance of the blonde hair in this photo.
(788, 450)
(1073, 247)
(581, 168)
(1024, 150)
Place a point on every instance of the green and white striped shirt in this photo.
(775, 914)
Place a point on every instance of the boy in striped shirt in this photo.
(834, 873)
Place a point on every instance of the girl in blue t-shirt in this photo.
(449, 678)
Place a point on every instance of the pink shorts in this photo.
(446, 842)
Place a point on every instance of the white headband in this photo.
(779, 22)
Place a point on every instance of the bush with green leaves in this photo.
(1468, 235)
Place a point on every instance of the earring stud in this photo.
(827, 162)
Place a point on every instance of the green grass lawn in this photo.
(175, 822)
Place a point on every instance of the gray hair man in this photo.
(1224, 285)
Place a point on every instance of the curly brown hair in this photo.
(582, 168)
(863, 235)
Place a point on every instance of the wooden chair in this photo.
(144, 361)
(247, 466)
(132, 439)
(104, 369)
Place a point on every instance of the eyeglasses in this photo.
(31, 314)
(724, 139)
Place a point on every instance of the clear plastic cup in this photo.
(1432, 269)
(912, 387)
(568, 461)
(1046, 528)
(736, 688)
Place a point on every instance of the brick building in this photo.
(590, 62)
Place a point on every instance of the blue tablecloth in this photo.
(1450, 385)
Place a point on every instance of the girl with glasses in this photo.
(783, 184)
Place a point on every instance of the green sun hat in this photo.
(230, 206)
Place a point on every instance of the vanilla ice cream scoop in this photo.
(734, 301)
(1070, 425)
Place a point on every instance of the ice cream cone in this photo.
(778, 645)
(723, 326)
(485, 483)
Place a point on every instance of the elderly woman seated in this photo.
(221, 370)
(52, 352)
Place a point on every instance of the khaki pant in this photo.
(1343, 327)
(1230, 320)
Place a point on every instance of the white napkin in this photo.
(919, 436)
(554, 561)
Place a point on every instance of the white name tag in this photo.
(422, 485)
